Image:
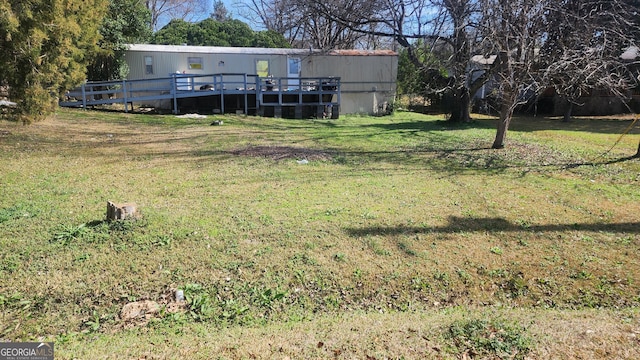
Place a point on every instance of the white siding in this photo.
(368, 77)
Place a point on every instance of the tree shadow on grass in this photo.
(470, 224)
(522, 123)
(593, 124)
(430, 125)
(608, 162)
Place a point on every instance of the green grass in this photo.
(401, 217)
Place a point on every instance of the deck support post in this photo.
(84, 96)
(335, 111)
(174, 91)
(124, 97)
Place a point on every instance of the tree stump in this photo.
(122, 211)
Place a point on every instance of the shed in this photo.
(367, 77)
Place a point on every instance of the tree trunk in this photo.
(506, 113)
(567, 112)
(460, 107)
(501, 134)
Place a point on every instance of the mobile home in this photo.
(367, 78)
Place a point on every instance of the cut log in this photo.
(122, 211)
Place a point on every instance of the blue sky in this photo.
(231, 5)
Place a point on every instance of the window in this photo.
(195, 63)
(262, 68)
(148, 65)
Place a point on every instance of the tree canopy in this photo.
(46, 46)
(571, 45)
(126, 22)
(211, 32)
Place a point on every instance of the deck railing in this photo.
(268, 91)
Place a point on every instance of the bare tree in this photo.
(304, 27)
(174, 9)
(512, 30)
(446, 28)
(460, 15)
(281, 16)
(220, 12)
(566, 44)
(582, 51)
(573, 46)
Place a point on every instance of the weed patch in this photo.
(489, 338)
(16, 212)
(394, 215)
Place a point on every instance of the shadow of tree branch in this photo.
(468, 224)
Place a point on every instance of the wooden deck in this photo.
(216, 93)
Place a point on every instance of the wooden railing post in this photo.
(84, 96)
(124, 96)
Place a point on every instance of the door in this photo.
(293, 73)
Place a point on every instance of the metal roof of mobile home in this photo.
(254, 51)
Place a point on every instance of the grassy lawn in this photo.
(396, 237)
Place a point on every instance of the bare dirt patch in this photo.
(476, 154)
(139, 313)
(283, 153)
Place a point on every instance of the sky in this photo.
(233, 7)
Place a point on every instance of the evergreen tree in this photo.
(210, 32)
(126, 22)
(46, 45)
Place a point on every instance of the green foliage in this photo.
(176, 32)
(65, 234)
(210, 32)
(263, 249)
(270, 39)
(232, 310)
(270, 296)
(46, 45)
(93, 324)
(200, 304)
(492, 338)
(125, 233)
(15, 301)
(126, 22)
(15, 212)
(227, 33)
(414, 79)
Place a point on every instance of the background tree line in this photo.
(212, 32)
(572, 46)
(525, 46)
